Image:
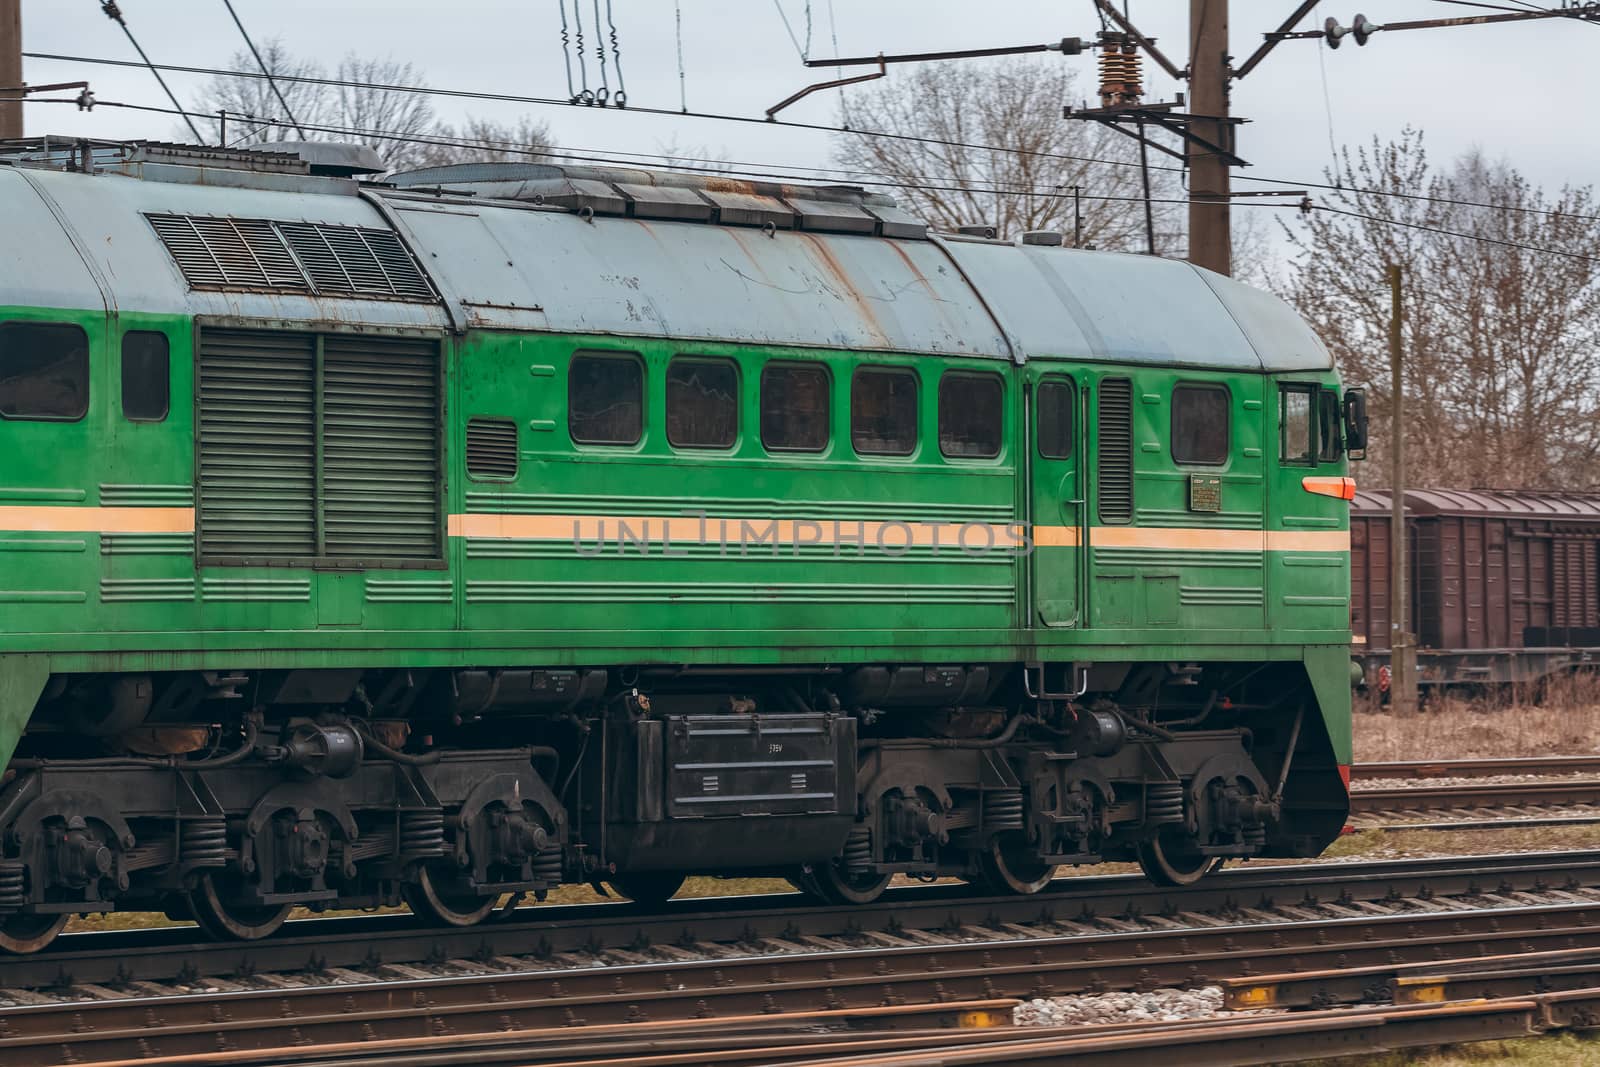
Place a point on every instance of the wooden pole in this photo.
(1210, 179)
(10, 68)
(1402, 646)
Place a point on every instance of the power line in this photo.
(594, 156)
(799, 51)
(287, 110)
(1457, 233)
(783, 123)
(513, 148)
(683, 83)
(114, 13)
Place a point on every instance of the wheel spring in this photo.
(1002, 810)
(858, 850)
(548, 867)
(204, 842)
(1255, 835)
(422, 833)
(13, 893)
(1163, 803)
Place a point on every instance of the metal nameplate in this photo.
(1205, 492)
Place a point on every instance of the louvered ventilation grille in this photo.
(1116, 450)
(257, 444)
(380, 448)
(492, 448)
(228, 253)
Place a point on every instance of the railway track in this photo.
(1297, 919)
(1476, 793)
(398, 947)
(1542, 766)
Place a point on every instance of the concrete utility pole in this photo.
(1210, 243)
(10, 68)
(1402, 647)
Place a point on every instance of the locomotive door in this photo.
(1055, 451)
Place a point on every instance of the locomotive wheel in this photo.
(1009, 866)
(837, 886)
(1170, 859)
(425, 901)
(23, 934)
(232, 921)
(650, 888)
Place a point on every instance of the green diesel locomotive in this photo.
(447, 538)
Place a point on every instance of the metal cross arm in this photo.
(1161, 115)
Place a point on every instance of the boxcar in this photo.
(446, 539)
(1505, 585)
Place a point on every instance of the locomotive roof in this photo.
(1482, 502)
(608, 251)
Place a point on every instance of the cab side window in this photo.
(1055, 418)
(1200, 431)
(1297, 436)
(44, 371)
(1330, 446)
(146, 360)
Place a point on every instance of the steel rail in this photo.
(587, 1000)
(610, 933)
(1408, 770)
(1559, 792)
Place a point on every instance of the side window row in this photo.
(605, 406)
(44, 373)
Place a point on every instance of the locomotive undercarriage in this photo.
(231, 798)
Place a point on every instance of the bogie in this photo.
(635, 788)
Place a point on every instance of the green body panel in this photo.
(90, 601)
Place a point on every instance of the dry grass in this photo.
(1565, 722)
(1420, 844)
(1561, 1050)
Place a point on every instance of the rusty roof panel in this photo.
(107, 213)
(830, 216)
(750, 209)
(38, 265)
(1065, 302)
(1283, 340)
(526, 269)
(665, 202)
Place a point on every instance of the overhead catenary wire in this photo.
(602, 94)
(566, 49)
(262, 63)
(511, 148)
(799, 51)
(621, 96)
(789, 124)
(683, 82)
(114, 13)
(716, 167)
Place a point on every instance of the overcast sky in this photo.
(1521, 91)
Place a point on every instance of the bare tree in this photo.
(355, 105)
(391, 120)
(926, 122)
(247, 94)
(485, 140)
(1501, 330)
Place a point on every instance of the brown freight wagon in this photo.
(1505, 586)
